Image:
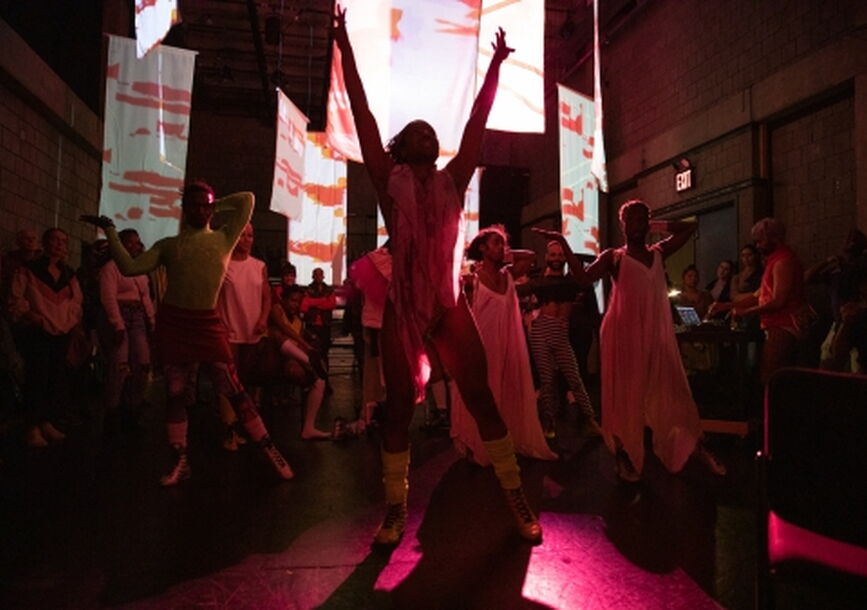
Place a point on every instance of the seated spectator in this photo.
(318, 305)
(126, 321)
(45, 300)
(691, 295)
(285, 326)
(720, 288)
(288, 277)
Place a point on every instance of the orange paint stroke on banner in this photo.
(396, 15)
(450, 27)
(175, 130)
(142, 5)
(134, 213)
(123, 98)
(171, 94)
(381, 231)
(141, 131)
(112, 71)
(314, 249)
(326, 195)
(106, 155)
(513, 62)
(154, 178)
(496, 7)
(164, 198)
(575, 125)
(592, 246)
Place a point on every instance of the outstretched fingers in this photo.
(501, 49)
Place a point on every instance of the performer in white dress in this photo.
(494, 305)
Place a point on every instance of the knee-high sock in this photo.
(502, 454)
(227, 411)
(255, 427)
(395, 469)
(177, 433)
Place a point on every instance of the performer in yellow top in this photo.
(189, 331)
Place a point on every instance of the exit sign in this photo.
(683, 180)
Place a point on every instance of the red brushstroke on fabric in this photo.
(293, 178)
(501, 5)
(459, 29)
(396, 15)
(592, 246)
(568, 122)
(175, 130)
(143, 5)
(326, 195)
(158, 196)
(164, 213)
(381, 231)
(594, 231)
(123, 98)
(314, 249)
(573, 210)
(472, 216)
(112, 71)
(154, 178)
(141, 131)
(170, 94)
(119, 216)
(134, 213)
(588, 149)
(106, 155)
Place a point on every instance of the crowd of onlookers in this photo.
(65, 331)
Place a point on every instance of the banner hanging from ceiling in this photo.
(153, 20)
(318, 239)
(146, 130)
(286, 189)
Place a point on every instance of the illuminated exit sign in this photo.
(683, 180)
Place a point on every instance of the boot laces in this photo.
(394, 515)
(519, 504)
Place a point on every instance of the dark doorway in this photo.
(502, 193)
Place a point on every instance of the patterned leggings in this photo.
(181, 388)
(549, 344)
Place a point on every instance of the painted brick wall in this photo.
(813, 170)
(47, 178)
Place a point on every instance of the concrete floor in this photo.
(84, 524)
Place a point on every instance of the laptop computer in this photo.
(688, 316)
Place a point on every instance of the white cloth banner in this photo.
(520, 102)
(147, 115)
(319, 238)
(419, 59)
(598, 165)
(153, 20)
(286, 192)
(579, 197)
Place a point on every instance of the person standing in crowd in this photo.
(45, 303)
(371, 274)
(27, 250)
(189, 331)
(125, 324)
(318, 307)
(494, 305)
(691, 295)
(839, 273)
(244, 306)
(850, 340)
(286, 328)
(549, 341)
(720, 289)
(422, 206)
(779, 302)
(643, 380)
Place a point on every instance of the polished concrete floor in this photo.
(84, 524)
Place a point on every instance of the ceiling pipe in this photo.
(260, 57)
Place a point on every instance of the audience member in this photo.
(691, 295)
(850, 340)
(780, 302)
(288, 277)
(494, 305)
(27, 250)
(45, 301)
(125, 326)
(318, 306)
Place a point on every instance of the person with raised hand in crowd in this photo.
(189, 331)
(422, 207)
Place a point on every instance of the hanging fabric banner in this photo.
(520, 102)
(579, 196)
(436, 60)
(318, 239)
(286, 191)
(597, 166)
(147, 115)
(153, 20)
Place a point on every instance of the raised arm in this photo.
(145, 263)
(376, 160)
(464, 164)
(601, 267)
(680, 234)
(237, 209)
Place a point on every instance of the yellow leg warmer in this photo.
(395, 469)
(502, 454)
(227, 413)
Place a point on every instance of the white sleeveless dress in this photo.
(499, 321)
(643, 380)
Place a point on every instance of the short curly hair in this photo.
(474, 250)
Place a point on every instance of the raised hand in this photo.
(101, 222)
(501, 49)
(338, 25)
(547, 233)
